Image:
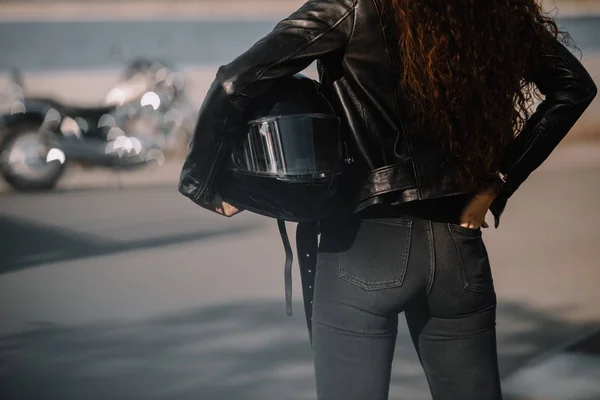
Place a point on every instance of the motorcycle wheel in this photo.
(26, 160)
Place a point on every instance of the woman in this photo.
(434, 98)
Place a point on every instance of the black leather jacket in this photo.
(357, 68)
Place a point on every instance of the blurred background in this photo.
(114, 286)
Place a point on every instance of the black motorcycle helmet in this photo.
(289, 167)
(290, 164)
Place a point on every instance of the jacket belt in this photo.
(396, 177)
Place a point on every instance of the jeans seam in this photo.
(355, 307)
(326, 325)
(470, 334)
(431, 245)
(390, 221)
(371, 286)
(479, 311)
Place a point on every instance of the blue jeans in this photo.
(437, 273)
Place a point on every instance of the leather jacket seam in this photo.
(365, 122)
(402, 131)
(305, 46)
(535, 137)
(354, 5)
(432, 261)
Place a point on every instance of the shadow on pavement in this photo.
(115, 188)
(242, 350)
(27, 243)
(91, 188)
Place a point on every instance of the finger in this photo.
(469, 223)
(485, 224)
(230, 210)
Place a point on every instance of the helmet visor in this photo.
(292, 147)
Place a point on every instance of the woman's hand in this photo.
(473, 216)
(219, 206)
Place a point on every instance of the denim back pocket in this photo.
(378, 258)
(472, 257)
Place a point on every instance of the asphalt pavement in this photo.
(137, 293)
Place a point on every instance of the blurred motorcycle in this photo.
(145, 118)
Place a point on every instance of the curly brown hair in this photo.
(464, 69)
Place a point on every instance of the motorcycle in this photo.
(145, 118)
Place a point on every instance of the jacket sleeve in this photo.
(568, 90)
(316, 29)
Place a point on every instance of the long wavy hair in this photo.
(464, 69)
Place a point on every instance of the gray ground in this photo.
(140, 294)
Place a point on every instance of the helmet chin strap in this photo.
(289, 259)
(307, 247)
